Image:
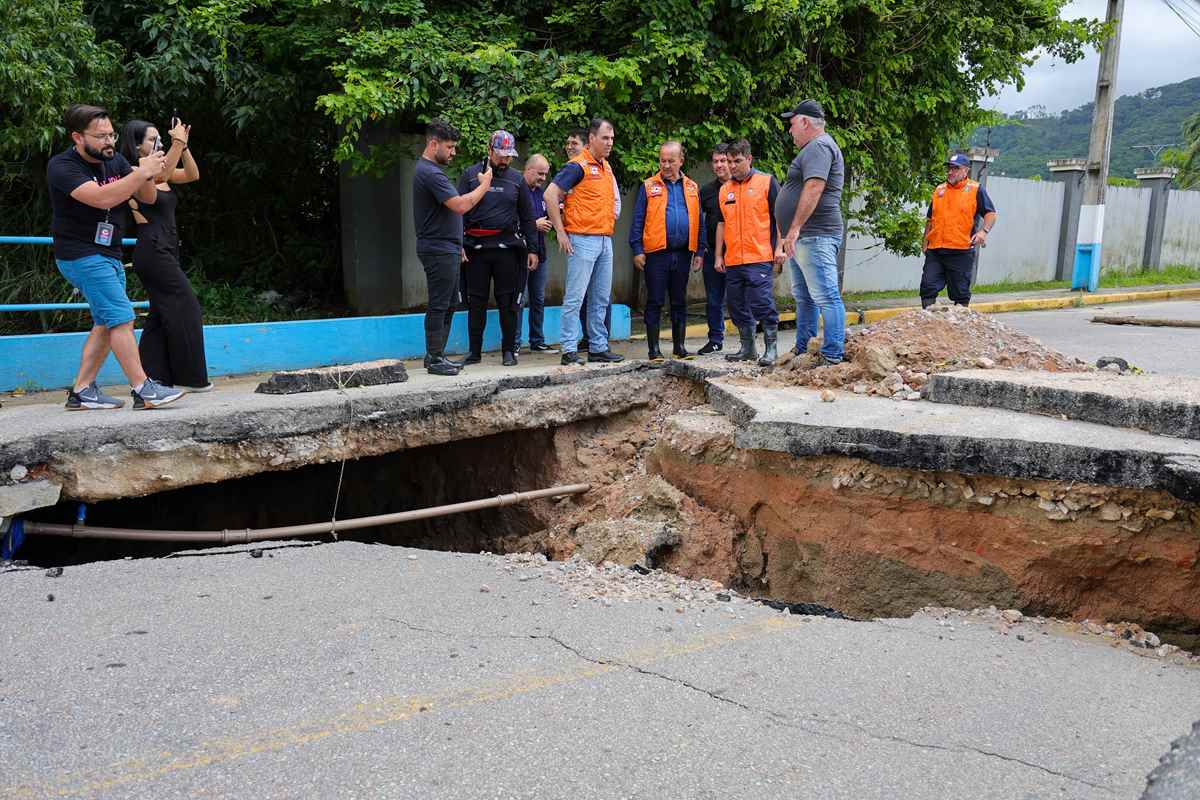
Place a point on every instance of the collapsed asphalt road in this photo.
(353, 670)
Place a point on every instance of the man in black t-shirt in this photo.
(90, 183)
(437, 216)
(714, 282)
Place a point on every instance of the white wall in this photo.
(1181, 234)
(1024, 245)
(1126, 211)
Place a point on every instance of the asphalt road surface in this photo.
(364, 671)
(1165, 350)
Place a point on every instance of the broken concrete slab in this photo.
(965, 439)
(338, 376)
(1168, 405)
(25, 496)
(219, 436)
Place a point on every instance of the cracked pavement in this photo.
(366, 671)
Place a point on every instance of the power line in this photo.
(1188, 12)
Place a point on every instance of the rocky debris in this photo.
(340, 376)
(608, 583)
(894, 358)
(1128, 635)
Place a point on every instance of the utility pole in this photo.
(1091, 214)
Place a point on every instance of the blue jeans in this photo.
(589, 271)
(535, 301)
(101, 280)
(815, 289)
(714, 304)
(667, 272)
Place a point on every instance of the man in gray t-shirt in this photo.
(808, 212)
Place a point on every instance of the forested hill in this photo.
(1031, 138)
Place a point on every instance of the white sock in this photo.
(139, 387)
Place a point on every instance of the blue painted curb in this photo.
(49, 361)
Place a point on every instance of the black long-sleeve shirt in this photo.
(506, 206)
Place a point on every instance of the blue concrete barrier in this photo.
(49, 361)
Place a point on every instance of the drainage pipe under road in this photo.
(287, 532)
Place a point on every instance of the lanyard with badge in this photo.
(104, 230)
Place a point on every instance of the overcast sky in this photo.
(1156, 49)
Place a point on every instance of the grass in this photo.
(1109, 280)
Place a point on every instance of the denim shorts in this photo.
(101, 279)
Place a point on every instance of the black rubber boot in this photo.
(678, 339)
(749, 351)
(653, 353)
(770, 342)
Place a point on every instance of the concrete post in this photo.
(980, 158)
(1069, 172)
(1158, 179)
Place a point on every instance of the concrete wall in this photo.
(1181, 236)
(1024, 245)
(1126, 210)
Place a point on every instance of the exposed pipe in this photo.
(289, 531)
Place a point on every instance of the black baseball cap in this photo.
(807, 108)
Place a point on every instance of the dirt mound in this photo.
(895, 357)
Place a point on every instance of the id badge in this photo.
(104, 233)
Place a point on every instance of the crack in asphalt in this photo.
(770, 716)
(786, 721)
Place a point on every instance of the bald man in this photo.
(668, 242)
(537, 168)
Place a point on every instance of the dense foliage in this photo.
(1154, 117)
(281, 91)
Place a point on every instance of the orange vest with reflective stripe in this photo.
(654, 231)
(746, 212)
(953, 218)
(590, 207)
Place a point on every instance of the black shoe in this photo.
(770, 345)
(510, 358)
(572, 359)
(678, 338)
(472, 358)
(441, 366)
(652, 351)
(432, 359)
(607, 357)
(749, 351)
(540, 348)
(710, 348)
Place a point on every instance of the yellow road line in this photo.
(365, 717)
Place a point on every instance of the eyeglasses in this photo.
(104, 137)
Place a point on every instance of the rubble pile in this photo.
(608, 583)
(894, 358)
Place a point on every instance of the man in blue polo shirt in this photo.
(668, 242)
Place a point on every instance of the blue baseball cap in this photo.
(958, 160)
(504, 143)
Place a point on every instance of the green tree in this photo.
(49, 58)
(896, 86)
(1187, 157)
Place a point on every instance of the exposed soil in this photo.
(895, 357)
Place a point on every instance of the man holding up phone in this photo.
(87, 182)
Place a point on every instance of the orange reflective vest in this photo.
(654, 231)
(746, 212)
(953, 219)
(590, 208)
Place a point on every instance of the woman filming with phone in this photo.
(172, 343)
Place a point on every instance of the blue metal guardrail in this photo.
(46, 240)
